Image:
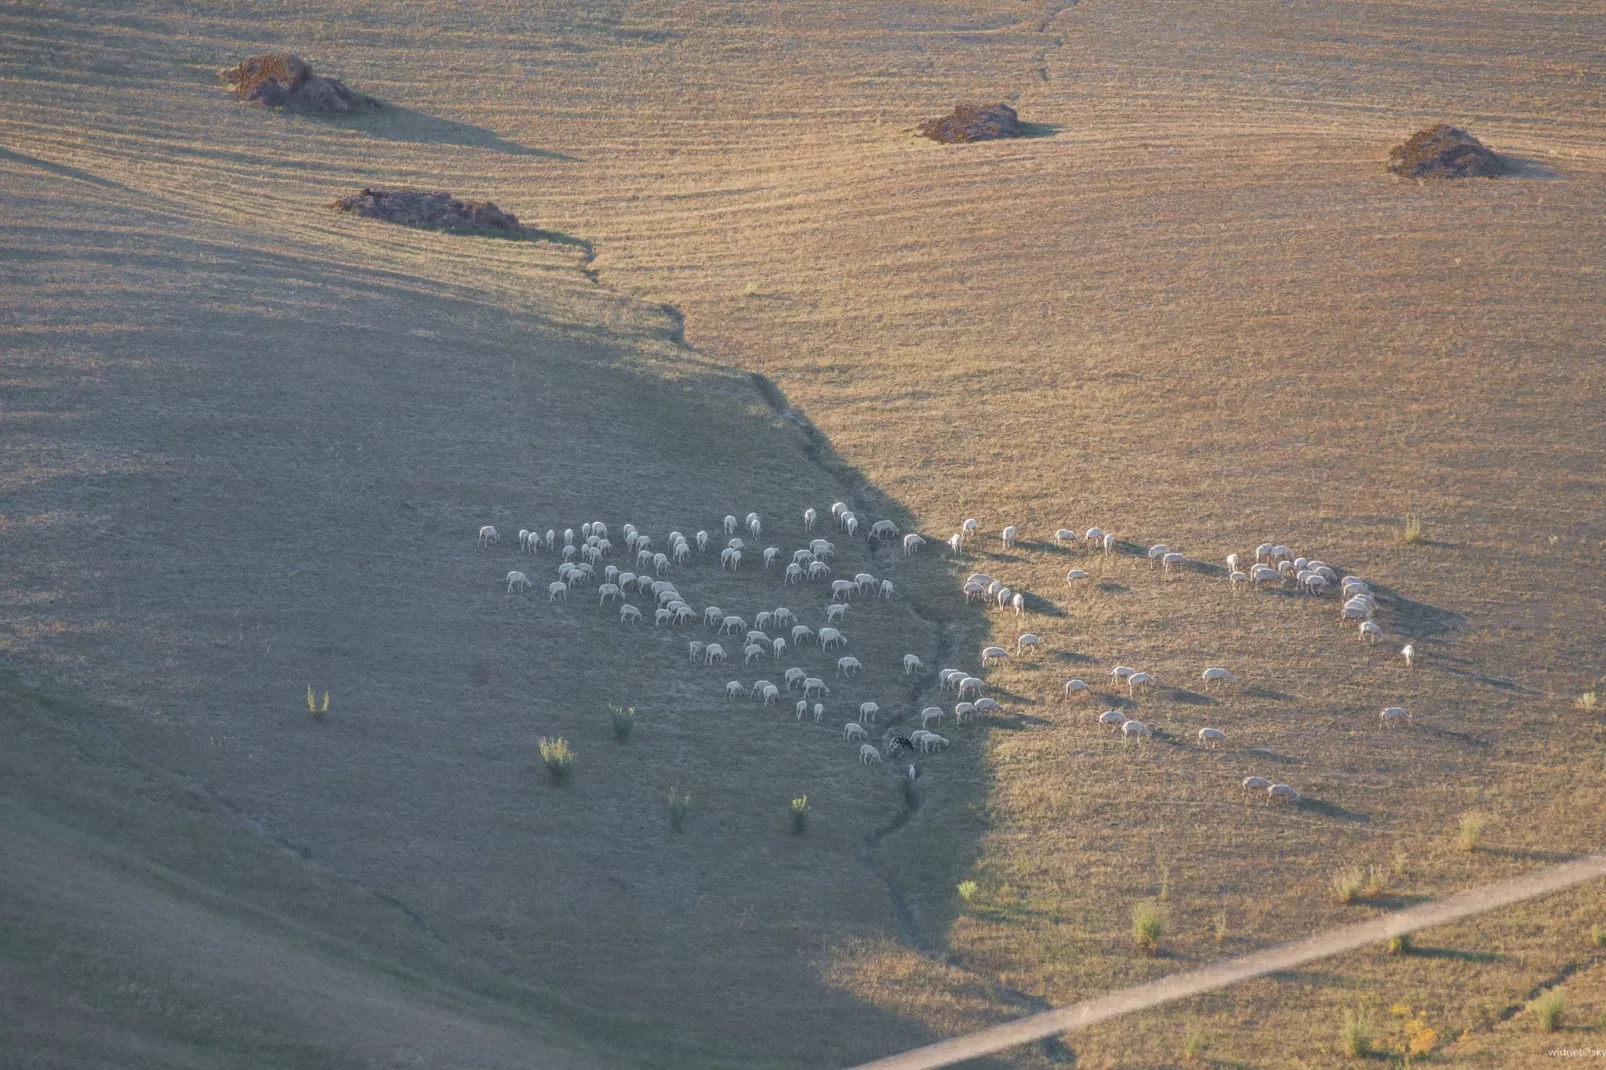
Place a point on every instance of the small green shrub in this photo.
(623, 720)
(1377, 881)
(1598, 936)
(1413, 530)
(558, 757)
(967, 890)
(1165, 884)
(1400, 945)
(1347, 884)
(312, 703)
(1470, 833)
(1355, 1036)
(678, 807)
(800, 815)
(1220, 924)
(1193, 1043)
(1547, 1008)
(1148, 926)
(1586, 701)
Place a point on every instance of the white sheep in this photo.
(770, 554)
(783, 616)
(884, 529)
(809, 516)
(1255, 783)
(1063, 536)
(663, 616)
(869, 755)
(991, 654)
(1232, 562)
(1136, 730)
(519, 580)
(1393, 714)
(932, 742)
(730, 525)
(1004, 595)
(1074, 575)
(794, 574)
(971, 685)
(831, 638)
(956, 544)
(818, 570)
(702, 541)
(853, 730)
(758, 688)
(912, 664)
(801, 634)
(694, 650)
(757, 636)
(551, 537)
(1408, 652)
(732, 625)
(851, 524)
(488, 536)
(911, 543)
(836, 611)
(1283, 792)
(1172, 561)
(733, 690)
(1113, 718)
(1027, 640)
(948, 679)
(568, 536)
(1017, 602)
(557, 590)
(987, 705)
(864, 581)
(887, 590)
(684, 614)
(819, 712)
(848, 666)
(802, 709)
(1121, 672)
(1235, 578)
(607, 591)
(1370, 630)
(813, 685)
(1211, 737)
(794, 676)
(842, 589)
(712, 653)
(1109, 543)
(754, 526)
(1074, 686)
(837, 509)
(779, 644)
(929, 714)
(1094, 535)
(628, 613)
(969, 527)
(1009, 537)
(963, 710)
(751, 651)
(730, 558)
(1157, 551)
(1214, 675)
(1136, 680)
(869, 711)
(822, 549)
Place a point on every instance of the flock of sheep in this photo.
(1273, 564)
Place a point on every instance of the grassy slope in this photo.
(1198, 314)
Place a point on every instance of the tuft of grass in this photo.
(679, 805)
(623, 720)
(1165, 884)
(1377, 881)
(558, 757)
(1401, 860)
(1193, 1043)
(966, 890)
(1400, 945)
(1347, 884)
(312, 703)
(1586, 701)
(1220, 924)
(800, 815)
(1355, 1036)
(1148, 926)
(1413, 530)
(1598, 936)
(1547, 1008)
(1470, 833)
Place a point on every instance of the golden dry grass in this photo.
(1198, 313)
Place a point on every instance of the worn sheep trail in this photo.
(1283, 957)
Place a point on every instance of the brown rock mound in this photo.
(1445, 151)
(974, 122)
(281, 80)
(430, 211)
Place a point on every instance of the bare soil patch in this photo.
(285, 80)
(1445, 151)
(974, 122)
(437, 210)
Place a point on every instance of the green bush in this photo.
(678, 807)
(1598, 935)
(966, 889)
(623, 719)
(1347, 884)
(1400, 945)
(558, 756)
(800, 815)
(1355, 1036)
(1547, 1008)
(1470, 833)
(1148, 926)
(1413, 530)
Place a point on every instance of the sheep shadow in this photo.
(1456, 953)
(396, 123)
(60, 169)
(1034, 603)
(1190, 698)
(1455, 737)
(1266, 755)
(1418, 619)
(1070, 657)
(1333, 810)
(1204, 568)
(1017, 722)
(1267, 693)
(1111, 587)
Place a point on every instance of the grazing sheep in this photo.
(1213, 675)
(488, 536)
(1136, 730)
(1408, 652)
(1354, 611)
(1094, 535)
(1235, 578)
(1393, 714)
(948, 679)
(702, 538)
(869, 755)
(809, 516)
(1157, 551)
(519, 580)
(1232, 562)
(813, 685)
(733, 690)
(819, 570)
(822, 549)
(819, 712)
(730, 558)
(1211, 737)
(568, 536)
(1074, 575)
(1073, 686)
(956, 544)
(754, 526)
(969, 527)
(736, 544)
(794, 574)
(770, 554)
(1370, 630)
(1009, 537)
(1254, 783)
(971, 685)
(1172, 561)
(694, 650)
(830, 638)
(1063, 536)
(838, 508)
(802, 634)
(963, 710)
(758, 688)
(1017, 602)
(848, 666)
(1283, 792)
(1109, 543)
(684, 614)
(1137, 680)
(779, 645)
(869, 711)
(628, 613)
(712, 653)
(611, 574)
(1004, 595)
(1029, 639)
(794, 676)
(626, 579)
(912, 664)
(930, 742)
(783, 616)
(911, 543)
(987, 705)
(887, 590)
(551, 537)
(851, 524)
(884, 529)
(852, 730)
(802, 710)
(711, 615)
(1121, 672)
(607, 591)
(843, 589)
(733, 625)
(557, 590)
(974, 591)
(757, 636)
(730, 525)
(663, 616)
(864, 581)
(751, 651)
(929, 714)
(991, 654)
(1113, 718)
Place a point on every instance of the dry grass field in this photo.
(247, 443)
